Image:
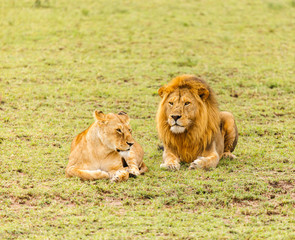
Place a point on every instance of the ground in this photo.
(60, 60)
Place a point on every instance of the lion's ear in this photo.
(203, 93)
(124, 116)
(99, 115)
(161, 91)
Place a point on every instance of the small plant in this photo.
(39, 4)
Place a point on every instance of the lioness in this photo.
(191, 127)
(102, 150)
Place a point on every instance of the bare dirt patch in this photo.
(285, 185)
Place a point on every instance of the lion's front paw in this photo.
(200, 162)
(170, 166)
(228, 155)
(133, 172)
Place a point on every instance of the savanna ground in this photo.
(60, 60)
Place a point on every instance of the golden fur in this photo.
(192, 128)
(106, 150)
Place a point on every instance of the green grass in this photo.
(60, 60)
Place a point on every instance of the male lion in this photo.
(104, 149)
(191, 127)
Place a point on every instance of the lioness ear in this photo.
(203, 93)
(98, 115)
(161, 91)
(124, 116)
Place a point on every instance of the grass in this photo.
(60, 60)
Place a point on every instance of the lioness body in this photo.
(191, 127)
(99, 151)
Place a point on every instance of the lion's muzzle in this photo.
(175, 123)
(174, 120)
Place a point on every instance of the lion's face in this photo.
(181, 110)
(114, 131)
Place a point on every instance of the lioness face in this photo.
(181, 107)
(115, 132)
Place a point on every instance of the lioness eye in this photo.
(171, 103)
(187, 103)
(119, 130)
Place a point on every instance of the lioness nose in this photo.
(130, 144)
(176, 117)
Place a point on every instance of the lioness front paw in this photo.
(133, 172)
(119, 176)
(170, 166)
(115, 178)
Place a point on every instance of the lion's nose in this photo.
(176, 117)
(130, 144)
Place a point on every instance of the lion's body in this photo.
(99, 151)
(190, 125)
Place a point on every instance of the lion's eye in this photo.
(119, 130)
(130, 130)
(171, 103)
(187, 103)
